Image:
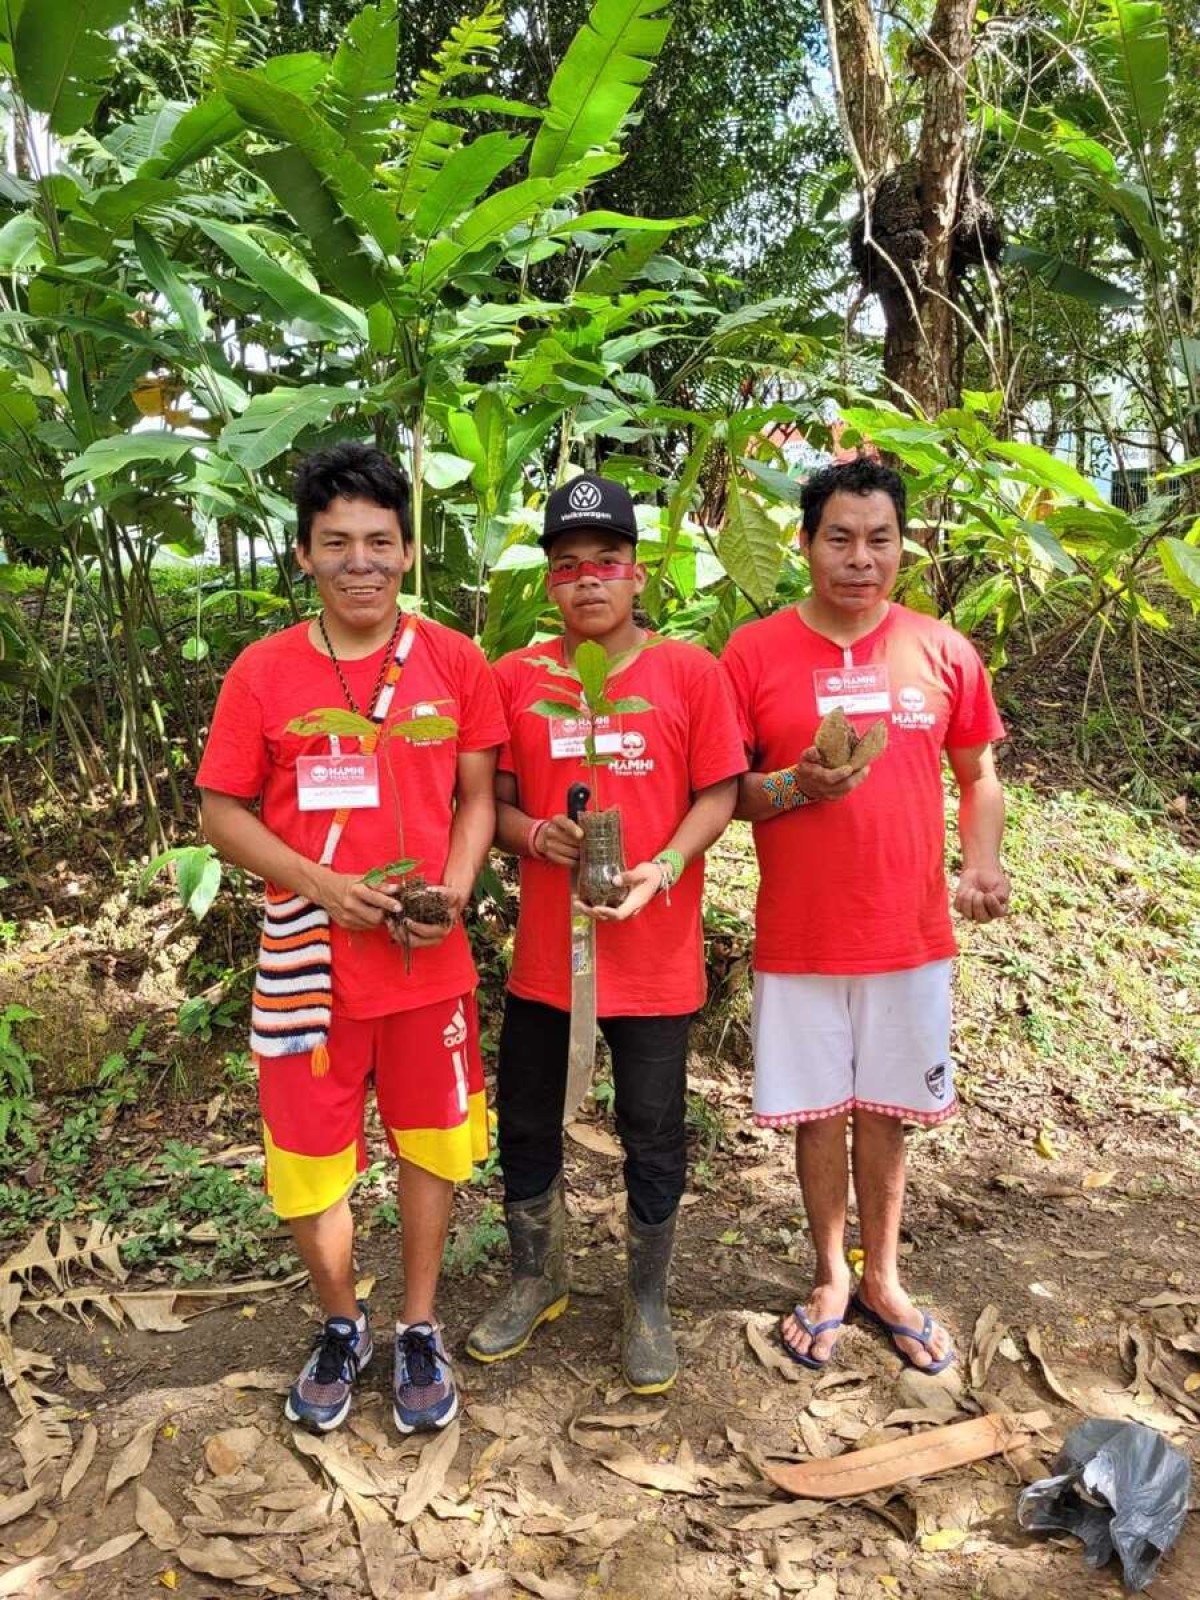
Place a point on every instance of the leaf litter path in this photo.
(145, 1459)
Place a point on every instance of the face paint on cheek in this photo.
(336, 566)
(606, 571)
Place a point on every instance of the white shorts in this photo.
(879, 1041)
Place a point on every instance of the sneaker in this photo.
(320, 1397)
(423, 1391)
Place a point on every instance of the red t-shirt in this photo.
(652, 965)
(859, 884)
(251, 754)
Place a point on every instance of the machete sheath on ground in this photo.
(918, 1456)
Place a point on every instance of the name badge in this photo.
(327, 783)
(854, 689)
(567, 735)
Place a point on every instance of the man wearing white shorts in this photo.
(853, 940)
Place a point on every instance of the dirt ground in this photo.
(549, 1488)
(1054, 1226)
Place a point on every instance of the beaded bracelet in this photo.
(783, 790)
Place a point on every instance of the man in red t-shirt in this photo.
(854, 946)
(338, 746)
(673, 775)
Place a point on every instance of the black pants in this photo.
(649, 1056)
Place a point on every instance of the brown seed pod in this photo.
(869, 745)
(834, 739)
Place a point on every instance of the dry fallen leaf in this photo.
(260, 1378)
(132, 1460)
(83, 1379)
(781, 1516)
(155, 1520)
(623, 1419)
(16, 1506)
(80, 1461)
(25, 1580)
(230, 1450)
(217, 1558)
(558, 1466)
(430, 1473)
(1098, 1180)
(42, 1537)
(548, 1588)
(1045, 1146)
(768, 1351)
(1033, 1339)
(115, 1546)
(653, 1474)
(598, 1140)
(985, 1342)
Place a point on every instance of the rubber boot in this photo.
(648, 1346)
(537, 1236)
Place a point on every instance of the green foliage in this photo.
(474, 1243)
(598, 81)
(63, 54)
(197, 876)
(16, 1076)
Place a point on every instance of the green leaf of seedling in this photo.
(591, 663)
(424, 730)
(394, 869)
(554, 668)
(630, 705)
(554, 708)
(332, 719)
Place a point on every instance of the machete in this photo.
(581, 1051)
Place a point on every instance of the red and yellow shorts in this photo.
(428, 1087)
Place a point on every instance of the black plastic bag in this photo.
(1119, 1487)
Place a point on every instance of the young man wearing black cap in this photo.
(673, 775)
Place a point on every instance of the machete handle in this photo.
(578, 796)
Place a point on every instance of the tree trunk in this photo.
(918, 285)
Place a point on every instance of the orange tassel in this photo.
(320, 1061)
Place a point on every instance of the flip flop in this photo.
(896, 1330)
(812, 1329)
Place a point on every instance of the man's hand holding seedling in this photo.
(558, 841)
(352, 902)
(425, 935)
(643, 882)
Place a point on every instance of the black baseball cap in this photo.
(589, 502)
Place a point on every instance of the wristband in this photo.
(531, 838)
(670, 865)
(783, 790)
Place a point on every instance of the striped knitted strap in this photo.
(379, 713)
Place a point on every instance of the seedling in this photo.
(416, 900)
(589, 676)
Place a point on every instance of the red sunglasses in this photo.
(606, 571)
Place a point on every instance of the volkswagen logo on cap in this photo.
(589, 501)
(584, 496)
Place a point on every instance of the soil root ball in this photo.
(417, 901)
(602, 859)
